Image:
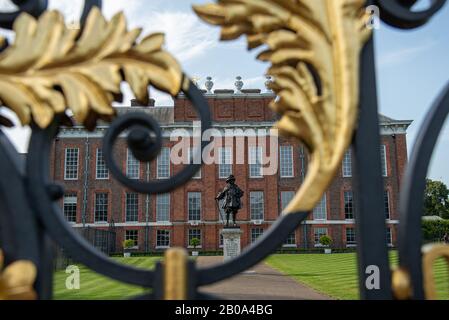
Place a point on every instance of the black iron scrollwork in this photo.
(399, 13)
(145, 139)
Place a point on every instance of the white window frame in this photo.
(389, 236)
(159, 198)
(224, 162)
(134, 194)
(251, 205)
(131, 164)
(101, 167)
(70, 198)
(383, 159)
(196, 193)
(165, 152)
(290, 245)
(352, 243)
(317, 240)
(284, 203)
(136, 246)
(189, 157)
(286, 164)
(320, 205)
(352, 205)
(346, 165)
(107, 207)
(387, 193)
(254, 239)
(255, 151)
(200, 238)
(66, 165)
(157, 238)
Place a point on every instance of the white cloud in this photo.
(404, 55)
(186, 37)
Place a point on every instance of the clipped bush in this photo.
(195, 242)
(325, 240)
(128, 244)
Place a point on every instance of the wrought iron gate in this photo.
(322, 57)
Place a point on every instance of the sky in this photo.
(412, 66)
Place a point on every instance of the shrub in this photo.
(325, 240)
(434, 230)
(195, 242)
(128, 244)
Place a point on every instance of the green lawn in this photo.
(332, 274)
(95, 286)
(335, 274)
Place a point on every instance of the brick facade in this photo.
(244, 111)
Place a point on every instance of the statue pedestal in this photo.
(231, 242)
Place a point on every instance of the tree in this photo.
(436, 199)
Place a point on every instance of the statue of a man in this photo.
(231, 195)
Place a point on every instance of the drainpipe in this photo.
(86, 180)
(303, 174)
(147, 212)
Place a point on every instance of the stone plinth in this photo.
(231, 242)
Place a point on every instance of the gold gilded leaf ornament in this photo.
(51, 67)
(306, 40)
(17, 280)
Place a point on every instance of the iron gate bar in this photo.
(371, 228)
(398, 13)
(34, 193)
(411, 200)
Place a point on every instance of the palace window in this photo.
(163, 207)
(291, 239)
(132, 207)
(347, 164)
(389, 237)
(225, 162)
(101, 207)
(255, 162)
(194, 206)
(221, 240)
(70, 206)
(256, 233)
(318, 233)
(349, 204)
(162, 238)
(286, 161)
(320, 211)
(350, 236)
(101, 169)
(256, 202)
(194, 233)
(132, 235)
(71, 164)
(383, 159)
(387, 204)
(191, 156)
(286, 197)
(163, 163)
(132, 165)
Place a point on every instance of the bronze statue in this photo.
(232, 204)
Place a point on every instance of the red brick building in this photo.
(93, 198)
